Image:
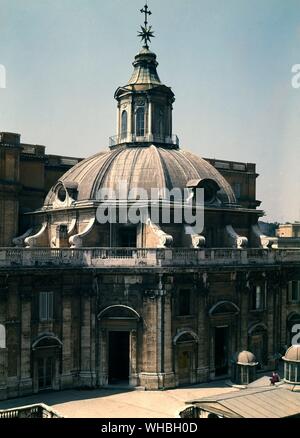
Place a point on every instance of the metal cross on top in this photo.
(147, 12)
(146, 33)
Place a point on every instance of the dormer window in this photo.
(66, 193)
(209, 193)
(62, 194)
(140, 122)
(209, 186)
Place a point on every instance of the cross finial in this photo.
(146, 33)
(147, 12)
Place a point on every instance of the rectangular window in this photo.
(184, 302)
(46, 306)
(237, 190)
(294, 291)
(259, 298)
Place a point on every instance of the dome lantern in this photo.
(292, 365)
(244, 368)
(145, 104)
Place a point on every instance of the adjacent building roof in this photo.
(267, 402)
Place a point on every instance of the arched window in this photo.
(2, 336)
(159, 121)
(140, 122)
(224, 308)
(124, 123)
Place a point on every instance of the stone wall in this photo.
(166, 347)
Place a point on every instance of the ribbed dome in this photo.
(245, 358)
(142, 167)
(292, 354)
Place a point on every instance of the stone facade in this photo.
(169, 342)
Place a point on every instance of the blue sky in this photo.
(228, 61)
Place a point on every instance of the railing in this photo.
(31, 149)
(130, 257)
(190, 412)
(32, 411)
(148, 138)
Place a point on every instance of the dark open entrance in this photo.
(118, 357)
(127, 237)
(221, 351)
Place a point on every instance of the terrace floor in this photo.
(121, 403)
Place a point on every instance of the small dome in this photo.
(292, 354)
(245, 358)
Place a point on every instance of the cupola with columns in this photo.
(145, 104)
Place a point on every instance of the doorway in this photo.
(45, 368)
(221, 351)
(118, 366)
(258, 345)
(184, 366)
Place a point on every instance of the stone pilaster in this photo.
(13, 340)
(103, 359)
(150, 365)
(133, 381)
(3, 373)
(87, 375)
(157, 370)
(243, 294)
(283, 310)
(3, 351)
(25, 386)
(66, 377)
(169, 376)
(202, 371)
(271, 293)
